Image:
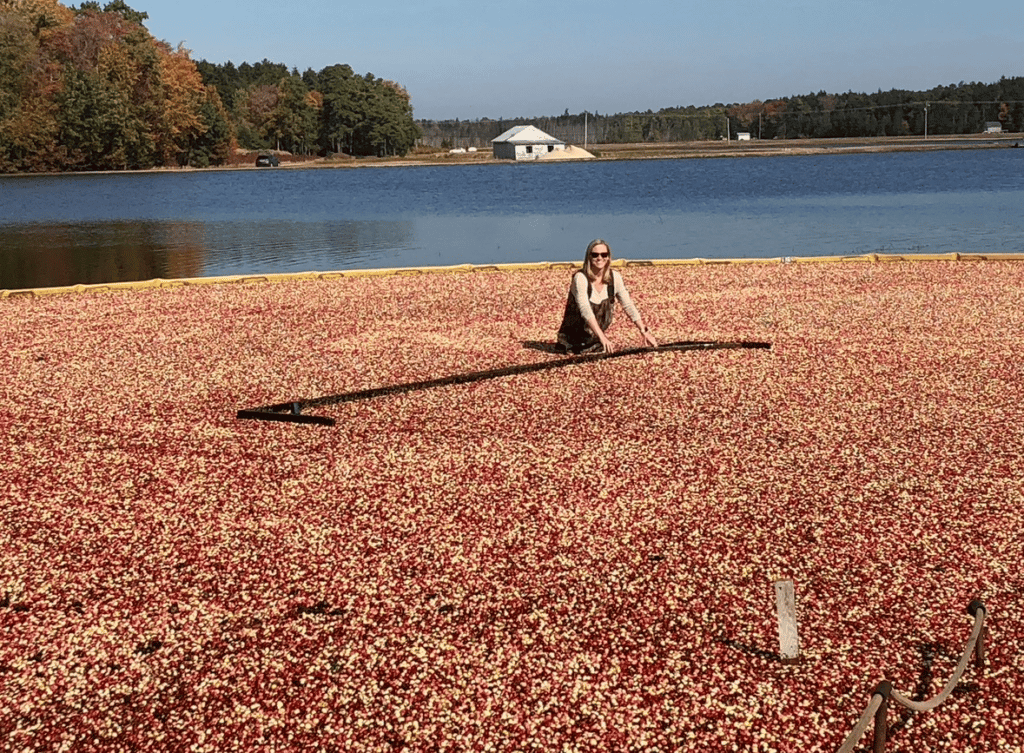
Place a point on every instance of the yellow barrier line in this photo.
(476, 268)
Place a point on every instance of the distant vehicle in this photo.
(267, 160)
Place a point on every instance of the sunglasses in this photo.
(598, 255)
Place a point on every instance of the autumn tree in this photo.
(28, 112)
(110, 101)
(89, 88)
(18, 51)
(184, 96)
(29, 81)
(40, 14)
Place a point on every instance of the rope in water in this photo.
(878, 707)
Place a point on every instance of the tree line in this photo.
(955, 109)
(688, 124)
(89, 88)
(330, 111)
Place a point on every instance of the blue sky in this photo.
(526, 58)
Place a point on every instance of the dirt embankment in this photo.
(802, 146)
(246, 160)
(692, 150)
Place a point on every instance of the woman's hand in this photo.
(606, 344)
(649, 340)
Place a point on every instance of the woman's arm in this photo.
(632, 312)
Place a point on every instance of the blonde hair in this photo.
(588, 268)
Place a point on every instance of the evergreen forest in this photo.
(955, 109)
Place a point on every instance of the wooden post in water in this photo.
(979, 647)
(881, 733)
(789, 640)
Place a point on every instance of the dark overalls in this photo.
(574, 336)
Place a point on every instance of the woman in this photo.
(588, 311)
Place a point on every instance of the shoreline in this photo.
(461, 269)
(675, 150)
(620, 152)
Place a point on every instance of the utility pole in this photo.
(926, 120)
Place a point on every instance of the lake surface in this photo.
(68, 229)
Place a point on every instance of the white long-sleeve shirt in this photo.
(579, 291)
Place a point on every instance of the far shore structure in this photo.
(529, 143)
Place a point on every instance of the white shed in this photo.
(525, 142)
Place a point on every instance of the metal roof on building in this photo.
(526, 134)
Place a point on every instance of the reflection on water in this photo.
(96, 252)
(51, 255)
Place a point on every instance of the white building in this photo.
(743, 136)
(993, 126)
(525, 142)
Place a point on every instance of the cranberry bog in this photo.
(577, 558)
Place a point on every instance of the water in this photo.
(60, 230)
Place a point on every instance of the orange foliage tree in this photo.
(28, 82)
(91, 89)
(184, 96)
